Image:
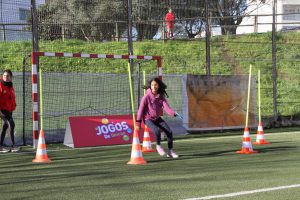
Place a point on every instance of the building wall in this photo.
(11, 10)
(264, 23)
(15, 12)
(291, 6)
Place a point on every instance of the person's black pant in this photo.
(156, 126)
(8, 121)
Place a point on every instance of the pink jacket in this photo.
(152, 107)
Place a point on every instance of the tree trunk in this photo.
(146, 31)
(228, 27)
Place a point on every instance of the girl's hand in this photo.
(137, 128)
(178, 116)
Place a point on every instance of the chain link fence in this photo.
(213, 29)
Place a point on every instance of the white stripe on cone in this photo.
(247, 145)
(41, 152)
(246, 134)
(146, 134)
(136, 154)
(259, 137)
(146, 144)
(135, 140)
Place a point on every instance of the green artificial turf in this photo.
(206, 166)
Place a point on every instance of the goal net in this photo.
(76, 84)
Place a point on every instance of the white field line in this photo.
(245, 192)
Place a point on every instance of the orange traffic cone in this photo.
(147, 147)
(246, 146)
(136, 153)
(260, 135)
(41, 152)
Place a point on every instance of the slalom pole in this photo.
(131, 95)
(41, 98)
(136, 152)
(248, 98)
(260, 139)
(144, 79)
(247, 145)
(259, 102)
(41, 152)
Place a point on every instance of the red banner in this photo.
(87, 131)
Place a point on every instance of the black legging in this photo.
(156, 125)
(8, 121)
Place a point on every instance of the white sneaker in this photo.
(172, 154)
(15, 149)
(160, 150)
(3, 149)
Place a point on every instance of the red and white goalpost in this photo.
(35, 83)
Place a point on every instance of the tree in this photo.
(147, 17)
(230, 13)
(89, 20)
(47, 29)
(190, 15)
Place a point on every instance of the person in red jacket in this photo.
(170, 21)
(7, 106)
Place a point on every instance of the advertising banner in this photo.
(88, 131)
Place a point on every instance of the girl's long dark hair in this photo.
(161, 86)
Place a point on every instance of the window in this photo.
(23, 14)
(292, 12)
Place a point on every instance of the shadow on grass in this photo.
(46, 176)
(272, 149)
(222, 153)
(192, 156)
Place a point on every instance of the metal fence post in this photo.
(4, 35)
(274, 61)
(207, 39)
(130, 48)
(117, 38)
